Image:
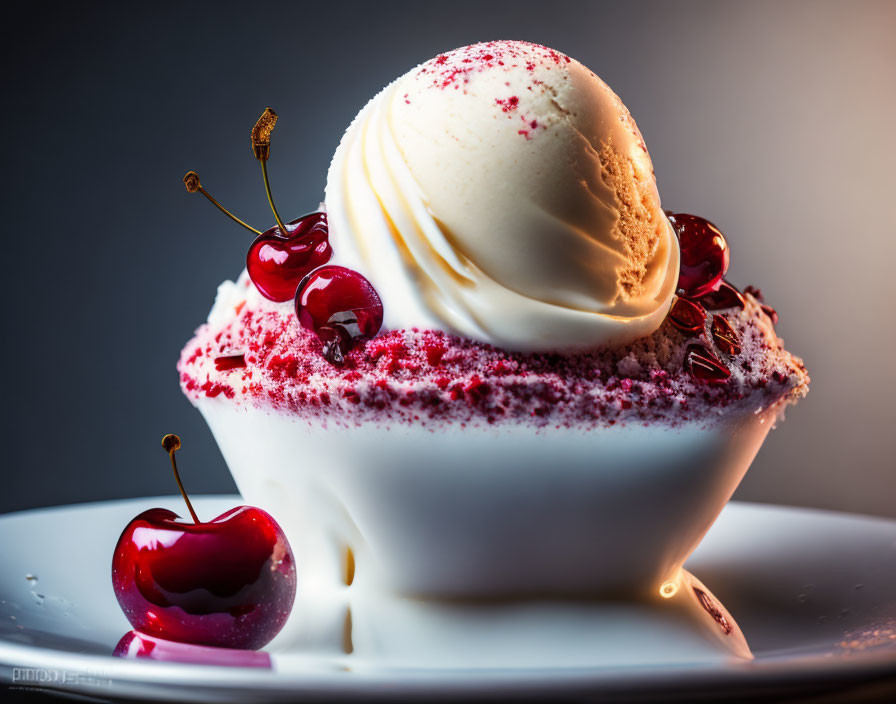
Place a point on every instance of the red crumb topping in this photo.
(430, 377)
(233, 361)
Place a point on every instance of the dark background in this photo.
(773, 119)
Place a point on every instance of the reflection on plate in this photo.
(813, 592)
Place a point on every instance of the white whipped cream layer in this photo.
(502, 192)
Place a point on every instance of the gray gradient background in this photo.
(774, 119)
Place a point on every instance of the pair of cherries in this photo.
(289, 262)
(339, 305)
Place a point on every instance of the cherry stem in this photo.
(261, 148)
(172, 444)
(191, 181)
(267, 188)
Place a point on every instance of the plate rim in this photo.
(165, 680)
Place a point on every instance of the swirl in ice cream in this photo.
(503, 192)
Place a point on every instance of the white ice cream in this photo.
(503, 192)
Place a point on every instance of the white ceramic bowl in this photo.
(487, 512)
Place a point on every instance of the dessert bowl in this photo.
(482, 512)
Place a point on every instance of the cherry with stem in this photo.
(282, 256)
(229, 582)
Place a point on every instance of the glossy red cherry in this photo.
(704, 366)
(278, 263)
(704, 254)
(341, 307)
(687, 316)
(229, 582)
(281, 257)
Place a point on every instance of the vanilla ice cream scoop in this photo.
(503, 192)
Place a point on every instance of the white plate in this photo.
(814, 593)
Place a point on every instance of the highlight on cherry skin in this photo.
(229, 582)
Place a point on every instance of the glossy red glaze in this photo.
(704, 254)
(727, 296)
(229, 583)
(703, 365)
(341, 307)
(687, 316)
(771, 313)
(725, 337)
(276, 264)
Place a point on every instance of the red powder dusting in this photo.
(509, 104)
(429, 377)
(455, 69)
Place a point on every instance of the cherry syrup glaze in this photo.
(341, 307)
(687, 315)
(230, 582)
(724, 336)
(704, 254)
(703, 365)
(278, 263)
